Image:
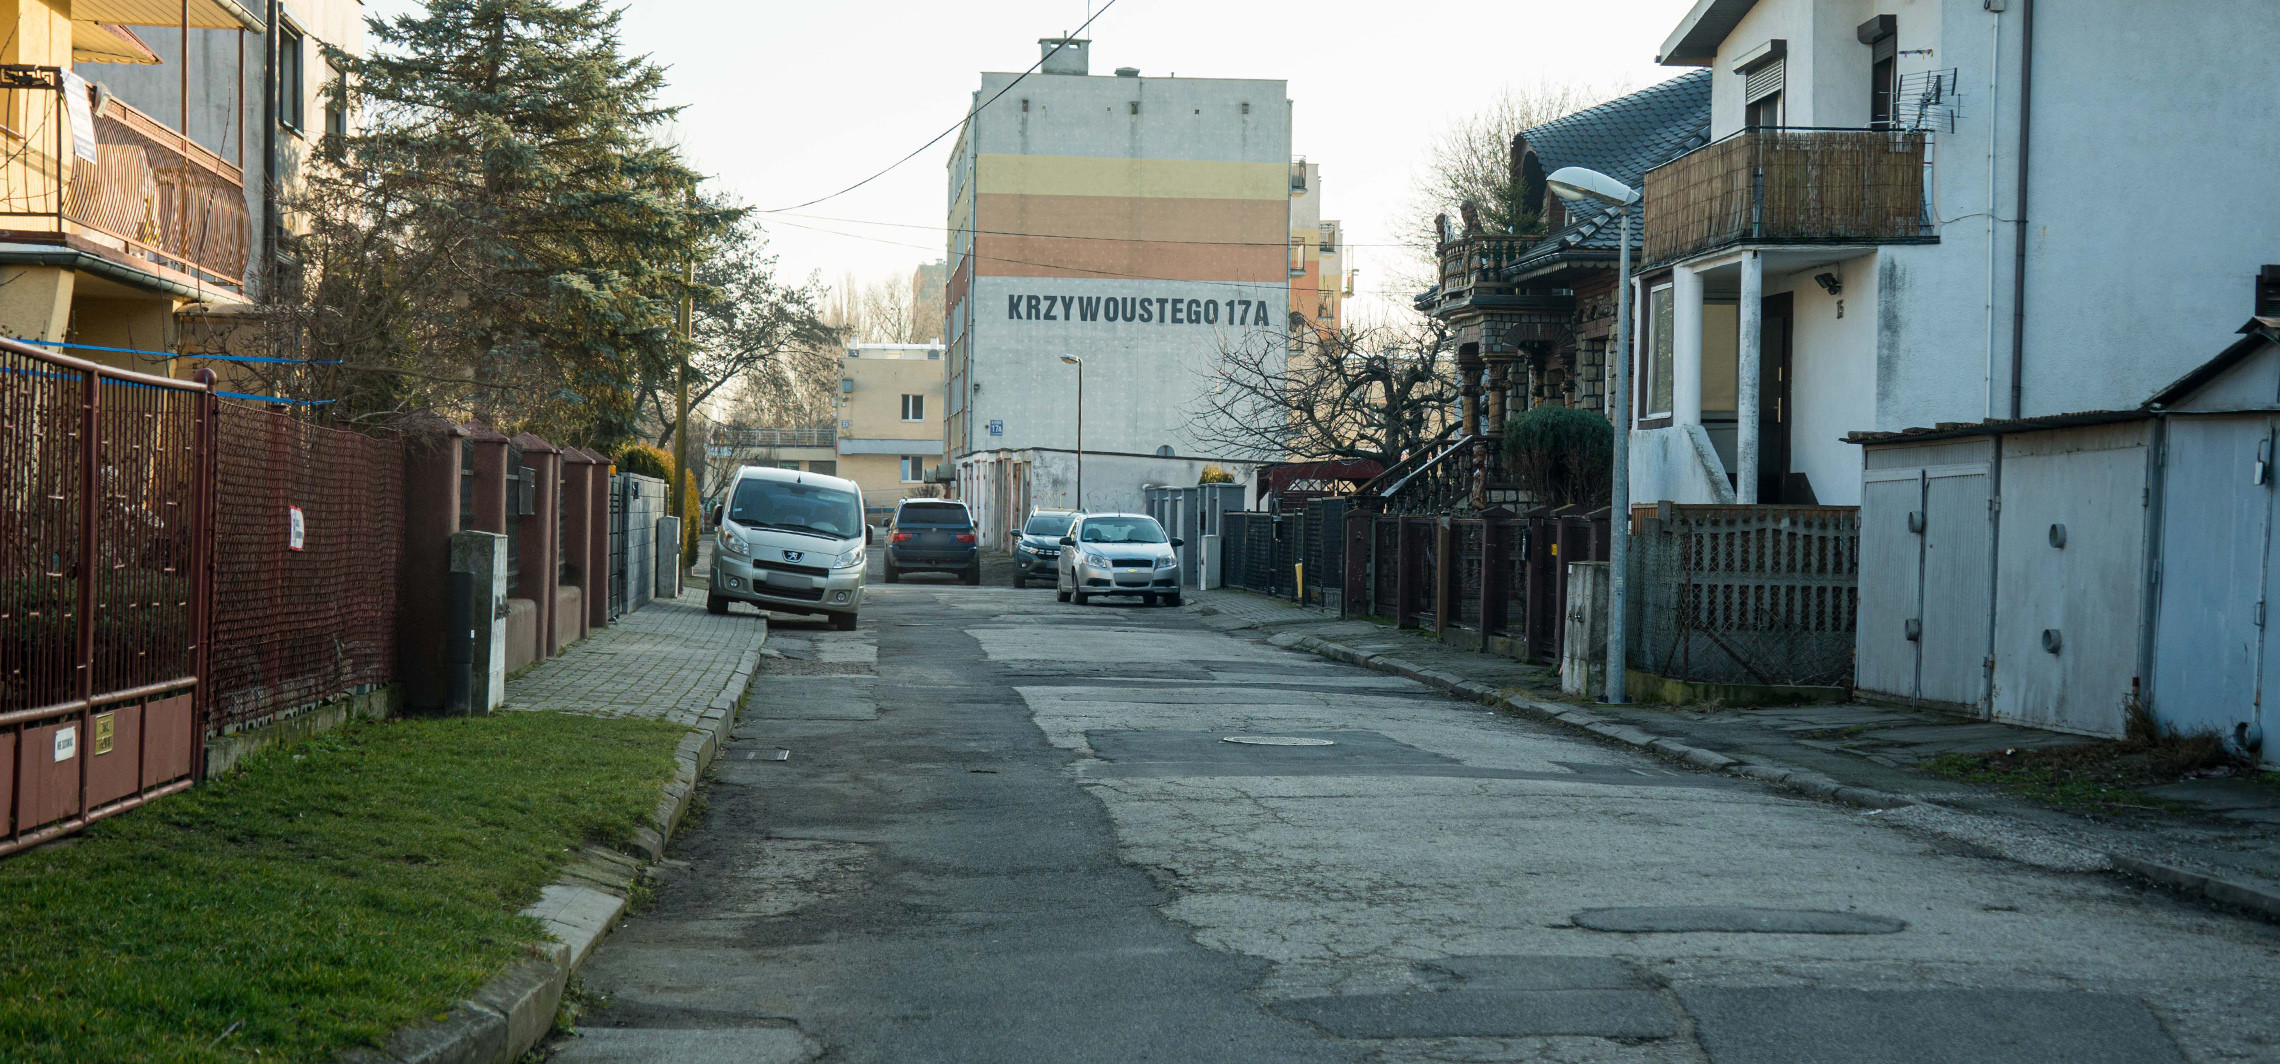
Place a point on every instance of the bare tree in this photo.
(1470, 161)
(1371, 391)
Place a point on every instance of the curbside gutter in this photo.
(514, 1011)
(2257, 900)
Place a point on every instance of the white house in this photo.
(1924, 211)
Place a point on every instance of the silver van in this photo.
(790, 542)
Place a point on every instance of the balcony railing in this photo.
(1789, 186)
(149, 192)
(804, 436)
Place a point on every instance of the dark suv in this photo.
(933, 536)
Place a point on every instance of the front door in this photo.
(1774, 410)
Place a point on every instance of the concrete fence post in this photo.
(483, 557)
(667, 578)
(598, 542)
(1583, 650)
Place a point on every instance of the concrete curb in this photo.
(511, 1013)
(2258, 900)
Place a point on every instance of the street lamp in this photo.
(1573, 183)
(1080, 364)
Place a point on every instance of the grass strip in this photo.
(327, 894)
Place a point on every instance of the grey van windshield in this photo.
(793, 507)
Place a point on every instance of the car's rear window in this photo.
(934, 513)
(1048, 524)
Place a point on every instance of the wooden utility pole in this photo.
(679, 489)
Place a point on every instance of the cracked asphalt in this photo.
(1010, 830)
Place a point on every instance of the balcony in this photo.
(1789, 186)
(1475, 297)
(149, 193)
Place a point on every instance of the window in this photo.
(1882, 36)
(913, 468)
(336, 109)
(1660, 349)
(291, 93)
(1763, 70)
(1120, 530)
(914, 408)
(768, 503)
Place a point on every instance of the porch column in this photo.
(1686, 347)
(1746, 357)
(1468, 388)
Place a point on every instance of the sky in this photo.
(787, 101)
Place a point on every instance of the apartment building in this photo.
(1122, 230)
(145, 152)
(890, 406)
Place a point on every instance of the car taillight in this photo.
(902, 537)
(965, 537)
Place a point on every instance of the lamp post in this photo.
(1574, 183)
(1080, 364)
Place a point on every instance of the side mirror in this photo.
(1068, 541)
(1176, 541)
(716, 517)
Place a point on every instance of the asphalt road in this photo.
(1011, 830)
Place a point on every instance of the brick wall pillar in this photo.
(578, 533)
(539, 553)
(490, 451)
(431, 515)
(598, 545)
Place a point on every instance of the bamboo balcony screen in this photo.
(1788, 186)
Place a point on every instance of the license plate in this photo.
(789, 580)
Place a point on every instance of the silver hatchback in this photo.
(1118, 554)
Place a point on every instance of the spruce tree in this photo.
(503, 234)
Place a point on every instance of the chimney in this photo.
(1064, 55)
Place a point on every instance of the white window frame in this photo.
(913, 469)
(1649, 366)
(913, 407)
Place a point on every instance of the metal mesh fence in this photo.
(1758, 595)
(296, 624)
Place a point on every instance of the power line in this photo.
(961, 123)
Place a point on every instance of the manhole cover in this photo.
(1276, 740)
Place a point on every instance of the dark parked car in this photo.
(1037, 545)
(933, 536)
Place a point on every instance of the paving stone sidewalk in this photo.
(666, 661)
(2230, 830)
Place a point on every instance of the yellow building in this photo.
(1318, 284)
(139, 141)
(891, 406)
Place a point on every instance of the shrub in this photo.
(647, 459)
(1215, 475)
(1561, 455)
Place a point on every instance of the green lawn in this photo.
(325, 895)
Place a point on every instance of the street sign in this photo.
(296, 530)
(997, 428)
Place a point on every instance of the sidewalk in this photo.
(669, 661)
(2221, 840)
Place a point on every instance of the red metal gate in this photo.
(106, 502)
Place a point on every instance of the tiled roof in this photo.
(1622, 138)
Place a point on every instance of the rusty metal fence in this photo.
(105, 493)
(310, 535)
